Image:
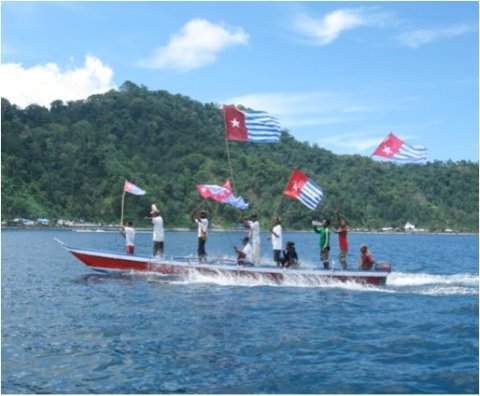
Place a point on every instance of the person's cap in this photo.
(245, 239)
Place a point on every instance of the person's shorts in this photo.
(201, 247)
(276, 255)
(130, 249)
(324, 254)
(158, 248)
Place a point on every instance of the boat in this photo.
(105, 261)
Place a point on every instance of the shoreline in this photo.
(100, 229)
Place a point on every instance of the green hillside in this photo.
(71, 161)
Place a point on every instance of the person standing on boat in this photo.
(276, 236)
(366, 259)
(128, 232)
(158, 231)
(202, 222)
(324, 231)
(253, 227)
(342, 240)
(244, 256)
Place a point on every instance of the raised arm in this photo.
(245, 222)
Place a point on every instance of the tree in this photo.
(71, 161)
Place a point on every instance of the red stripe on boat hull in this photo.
(111, 263)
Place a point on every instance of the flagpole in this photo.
(228, 152)
(275, 213)
(123, 206)
(198, 207)
(230, 166)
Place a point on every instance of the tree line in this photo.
(70, 162)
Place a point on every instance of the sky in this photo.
(341, 75)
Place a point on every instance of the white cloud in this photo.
(42, 84)
(357, 142)
(301, 109)
(419, 37)
(327, 29)
(281, 103)
(197, 44)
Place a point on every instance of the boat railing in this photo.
(197, 260)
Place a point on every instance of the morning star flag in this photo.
(132, 188)
(221, 194)
(251, 126)
(302, 188)
(394, 148)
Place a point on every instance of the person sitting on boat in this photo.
(253, 227)
(366, 259)
(290, 257)
(244, 256)
(128, 232)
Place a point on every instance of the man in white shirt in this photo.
(244, 256)
(253, 227)
(202, 222)
(158, 232)
(277, 243)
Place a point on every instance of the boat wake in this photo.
(422, 284)
(222, 279)
(433, 285)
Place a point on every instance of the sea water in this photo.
(69, 329)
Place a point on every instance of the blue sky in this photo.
(339, 74)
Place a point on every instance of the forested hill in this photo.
(70, 162)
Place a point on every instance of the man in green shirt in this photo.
(324, 231)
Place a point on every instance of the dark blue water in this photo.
(67, 329)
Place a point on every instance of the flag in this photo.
(221, 194)
(305, 190)
(394, 148)
(251, 125)
(238, 202)
(132, 188)
(217, 193)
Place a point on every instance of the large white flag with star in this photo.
(251, 126)
(394, 148)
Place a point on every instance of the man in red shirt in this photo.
(342, 241)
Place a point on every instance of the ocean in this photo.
(69, 329)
